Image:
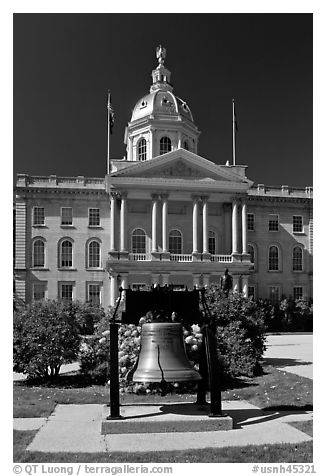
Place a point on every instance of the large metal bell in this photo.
(163, 355)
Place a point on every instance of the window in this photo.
(93, 217)
(251, 252)
(138, 286)
(251, 291)
(274, 294)
(66, 216)
(297, 224)
(175, 242)
(142, 149)
(38, 216)
(165, 145)
(273, 223)
(94, 293)
(250, 221)
(39, 291)
(186, 145)
(66, 254)
(273, 258)
(297, 258)
(297, 292)
(138, 241)
(66, 291)
(94, 254)
(211, 243)
(38, 254)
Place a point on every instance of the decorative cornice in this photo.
(253, 198)
(22, 191)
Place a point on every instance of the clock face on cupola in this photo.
(161, 121)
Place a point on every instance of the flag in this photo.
(111, 113)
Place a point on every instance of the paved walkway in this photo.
(77, 428)
(64, 370)
(291, 352)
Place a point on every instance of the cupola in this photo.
(160, 121)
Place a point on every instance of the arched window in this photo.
(212, 243)
(142, 150)
(175, 242)
(94, 254)
(186, 145)
(138, 241)
(165, 145)
(251, 252)
(38, 254)
(297, 258)
(66, 254)
(273, 258)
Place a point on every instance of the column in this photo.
(195, 225)
(227, 228)
(234, 226)
(113, 219)
(179, 140)
(196, 280)
(165, 279)
(155, 279)
(130, 155)
(124, 282)
(154, 222)
(164, 223)
(245, 279)
(113, 289)
(123, 220)
(151, 145)
(235, 284)
(244, 228)
(206, 280)
(205, 225)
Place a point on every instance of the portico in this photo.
(186, 230)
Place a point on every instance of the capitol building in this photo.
(163, 215)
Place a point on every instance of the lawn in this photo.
(301, 453)
(274, 390)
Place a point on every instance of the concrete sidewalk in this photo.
(77, 428)
(291, 353)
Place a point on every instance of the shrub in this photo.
(88, 316)
(240, 338)
(240, 331)
(46, 335)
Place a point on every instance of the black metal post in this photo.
(213, 373)
(209, 366)
(114, 365)
(114, 371)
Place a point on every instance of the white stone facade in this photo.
(162, 215)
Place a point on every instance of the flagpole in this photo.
(108, 150)
(234, 126)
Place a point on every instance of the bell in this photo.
(163, 355)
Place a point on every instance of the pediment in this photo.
(180, 164)
(182, 170)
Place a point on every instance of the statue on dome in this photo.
(160, 54)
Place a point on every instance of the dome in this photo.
(161, 103)
(161, 121)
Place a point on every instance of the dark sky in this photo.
(65, 63)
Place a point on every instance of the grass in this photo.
(274, 390)
(305, 426)
(301, 453)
